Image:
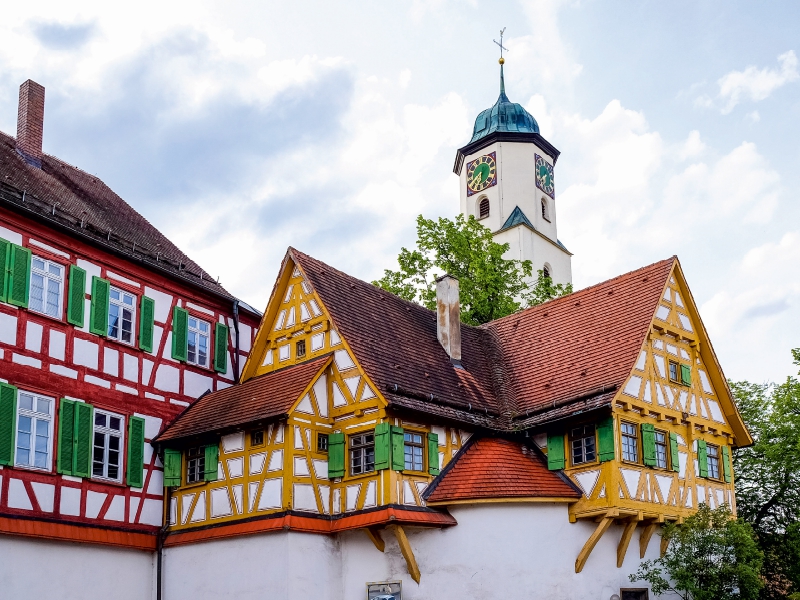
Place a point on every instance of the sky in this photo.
(240, 128)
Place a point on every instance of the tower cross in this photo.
(500, 43)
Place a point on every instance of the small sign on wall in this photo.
(384, 590)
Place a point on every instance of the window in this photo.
(630, 443)
(195, 464)
(47, 279)
(641, 594)
(121, 308)
(712, 454)
(107, 445)
(582, 443)
(412, 450)
(546, 271)
(674, 372)
(322, 442)
(661, 449)
(300, 349)
(198, 342)
(34, 422)
(257, 438)
(362, 453)
(483, 209)
(545, 212)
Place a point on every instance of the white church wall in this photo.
(280, 565)
(33, 568)
(526, 244)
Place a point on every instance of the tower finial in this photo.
(502, 61)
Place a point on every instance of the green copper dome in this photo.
(503, 116)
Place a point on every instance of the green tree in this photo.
(490, 285)
(768, 478)
(711, 556)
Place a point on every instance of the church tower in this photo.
(506, 182)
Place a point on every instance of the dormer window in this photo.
(483, 208)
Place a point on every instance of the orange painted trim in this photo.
(293, 522)
(77, 533)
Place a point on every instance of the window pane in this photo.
(26, 401)
(114, 423)
(53, 296)
(99, 419)
(127, 325)
(203, 326)
(37, 263)
(114, 294)
(128, 299)
(55, 270)
(43, 405)
(191, 355)
(113, 442)
(36, 299)
(203, 350)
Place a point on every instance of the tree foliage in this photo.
(710, 556)
(490, 286)
(768, 478)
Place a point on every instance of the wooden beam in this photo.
(374, 534)
(664, 545)
(644, 538)
(583, 556)
(627, 534)
(408, 553)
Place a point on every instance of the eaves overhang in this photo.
(504, 136)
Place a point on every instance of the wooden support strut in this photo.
(408, 553)
(627, 534)
(644, 538)
(374, 534)
(583, 556)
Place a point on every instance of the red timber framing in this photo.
(57, 360)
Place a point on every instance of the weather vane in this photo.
(500, 43)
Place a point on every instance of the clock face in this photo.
(481, 174)
(544, 177)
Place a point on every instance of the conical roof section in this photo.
(504, 116)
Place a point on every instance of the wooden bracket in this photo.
(644, 538)
(408, 553)
(374, 534)
(627, 534)
(583, 556)
(664, 545)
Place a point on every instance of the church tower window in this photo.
(483, 208)
(546, 271)
(545, 211)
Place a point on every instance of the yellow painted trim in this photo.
(644, 538)
(408, 553)
(583, 556)
(503, 501)
(622, 548)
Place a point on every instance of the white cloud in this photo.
(752, 84)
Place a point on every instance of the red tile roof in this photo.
(261, 398)
(492, 467)
(66, 196)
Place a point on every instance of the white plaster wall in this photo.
(280, 565)
(497, 551)
(525, 244)
(33, 568)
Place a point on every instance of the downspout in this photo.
(162, 533)
(236, 343)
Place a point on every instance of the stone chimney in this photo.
(448, 317)
(30, 122)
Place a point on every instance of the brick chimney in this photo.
(448, 317)
(30, 122)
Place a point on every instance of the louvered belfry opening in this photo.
(30, 122)
(483, 210)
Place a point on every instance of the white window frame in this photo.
(35, 417)
(107, 432)
(48, 277)
(122, 306)
(199, 333)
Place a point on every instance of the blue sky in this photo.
(241, 128)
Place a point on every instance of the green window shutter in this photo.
(398, 449)
(336, 452)
(686, 375)
(180, 333)
(555, 452)
(649, 444)
(673, 452)
(98, 318)
(66, 436)
(702, 458)
(383, 448)
(212, 462)
(76, 295)
(136, 452)
(726, 463)
(605, 439)
(5, 261)
(221, 348)
(433, 454)
(82, 453)
(18, 282)
(8, 422)
(172, 467)
(147, 315)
